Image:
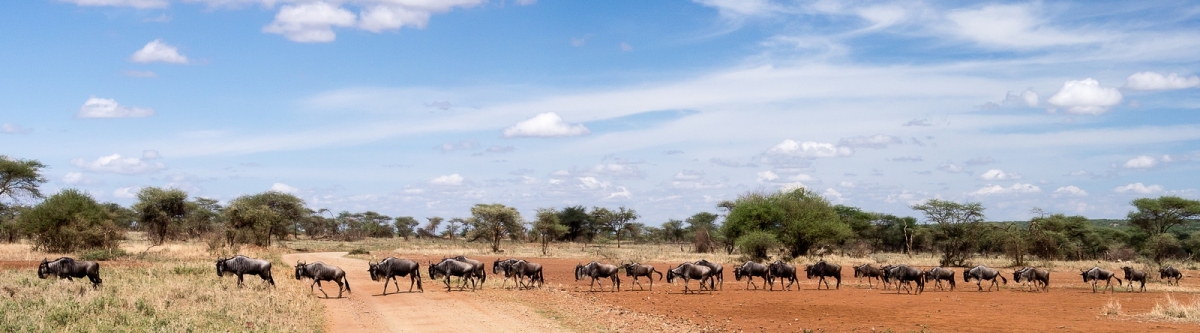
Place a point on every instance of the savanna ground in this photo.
(175, 288)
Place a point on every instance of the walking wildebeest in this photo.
(69, 268)
(868, 271)
(533, 271)
(319, 271)
(391, 267)
(783, 271)
(636, 270)
(1039, 277)
(504, 267)
(937, 274)
(480, 269)
(689, 271)
(450, 267)
(980, 273)
(1168, 273)
(718, 271)
(905, 275)
(242, 265)
(596, 270)
(1096, 274)
(1132, 274)
(751, 269)
(822, 269)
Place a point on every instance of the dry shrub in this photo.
(1113, 308)
(1176, 310)
(1123, 253)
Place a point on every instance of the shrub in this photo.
(756, 244)
(360, 251)
(68, 221)
(103, 255)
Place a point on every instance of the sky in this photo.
(425, 108)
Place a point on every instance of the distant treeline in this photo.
(783, 224)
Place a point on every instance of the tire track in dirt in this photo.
(435, 310)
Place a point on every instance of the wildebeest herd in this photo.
(709, 275)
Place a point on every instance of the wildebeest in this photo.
(905, 275)
(1096, 274)
(524, 269)
(319, 271)
(450, 267)
(1039, 277)
(1168, 273)
(937, 274)
(596, 271)
(868, 271)
(822, 269)
(391, 267)
(636, 270)
(69, 268)
(1132, 275)
(480, 269)
(751, 269)
(504, 267)
(783, 271)
(718, 271)
(980, 273)
(689, 271)
(241, 265)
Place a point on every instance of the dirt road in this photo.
(435, 310)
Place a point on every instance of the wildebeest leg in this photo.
(318, 283)
(385, 281)
(239, 284)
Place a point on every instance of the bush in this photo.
(103, 255)
(756, 244)
(68, 221)
(360, 251)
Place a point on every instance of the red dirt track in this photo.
(1069, 306)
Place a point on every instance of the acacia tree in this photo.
(548, 227)
(956, 225)
(20, 178)
(616, 220)
(70, 220)
(496, 221)
(405, 225)
(161, 212)
(1157, 216)
(255, 218)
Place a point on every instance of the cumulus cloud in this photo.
(544, 125)
(1070, 191)
(11, 128)
(157, 51)
(591, 183)
(116, 164)
(96, 107)
(1141, 162)
(121, 3)
(624, 193)
(1025, 98)
(150, 154)
(923, 122)
(78, 178)
(310, 22)
(950, 167)
(1156, 81)
(451, 180)
(313, 22)
(1138, 188)
(1017, 188)
(808, 149)
(997, 174)
(767, 176)
(1085, 97)
(126, 192)
(284, 188)
(877, 141)
(689, 175)
(1012, 26)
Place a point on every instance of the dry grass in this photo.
(1174, 310)
(1113, 308)
(171, 288)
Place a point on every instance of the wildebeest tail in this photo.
(1002, 278)
(1118, 279)
(347, 282)
(652, 270)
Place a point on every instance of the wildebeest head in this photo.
(433, 270)
(578, 272)
(808, 271)
(1084, 273)
(671, 274)
(300, 266)
(221, 266)
(737, 273)
(43, 268)
(371, 270)
(496, 266)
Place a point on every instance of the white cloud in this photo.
(150, 154)
(96, 107)
(310, 22)
(10, 128)
(847, 184)
(808, 149)
(997, 174)
(116, 164)
(803, 178)
(121, 3)
(1085, 97)
(591, 183)
(526, 2)
(625, 47)
(157, 51)
(126, 192)
(950, 167)
(284, 188)
(1017, 188)
(1070, 191)
(451, 179)
(72, 178)
(834, 195)
(1138, 188)
(461, 145)
(1012, 26)
(547, 124)
(739, 9)
(1025, 98)
(688, 175)
(767, 176)
(876, 141)
(624, 193)
(1156, 81)
(1141, 162)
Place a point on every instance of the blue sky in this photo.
(425, 108)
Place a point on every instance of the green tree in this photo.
(430, 229)
(204, 217)
(10, 228)
(376, 225)
(405, 226)
(1159, 215)
(494, 222)
(757, 244)
(548, 227)
(68, 221)
(255, 218)
(614, 221)
(702, 220)
(579, 224)
(161, 212)
(800, 219)
(956, 223)
(673, 230)
(20, 178)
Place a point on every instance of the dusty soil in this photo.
(566, 304)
